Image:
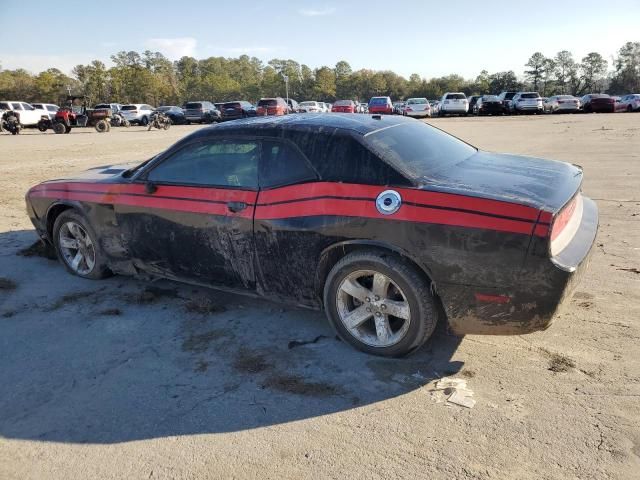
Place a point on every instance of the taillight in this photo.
(566, 224)
(408, 109)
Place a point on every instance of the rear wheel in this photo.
(77, 246)
(59, 128)
(43, 125)
(102, 126)
(379, 303)
(145, 121)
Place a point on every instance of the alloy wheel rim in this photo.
(373, 308)
(77, 248)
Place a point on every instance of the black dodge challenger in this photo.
(383, 221)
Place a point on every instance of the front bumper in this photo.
(536, 297)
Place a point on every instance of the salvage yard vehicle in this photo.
(488, 105)
(454, 103)
(385, 222)
(598, 103)
(24, 116)
(381, 105)
(137, 113)
(75, 114)
(561, 103)
(526, 102)
(417, 107)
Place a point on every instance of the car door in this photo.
(190, 214)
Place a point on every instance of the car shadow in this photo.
(124, 359)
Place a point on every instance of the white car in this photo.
(561, 103)
(310, 106)
(139, 113)
(49, 107)
(631, 102)
(526, 102)
(417, 107)
(454, 103)
(26, 113)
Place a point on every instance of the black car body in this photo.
(201, 112)
(237, 109)
(488, 105)
(472, 102)
(598, 103)
(505, 98)
(277, 204)
(175, 114)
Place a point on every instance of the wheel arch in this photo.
(54, 211)
(333, 253)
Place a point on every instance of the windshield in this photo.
(129, 107)
(378, 101)
(193, 105)
(416, 101)
(600, 95)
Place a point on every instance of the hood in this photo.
(104, 173)
(543, 184)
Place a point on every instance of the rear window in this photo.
(417, 149)
(52, 108)
(268, 102)
(232, 105)
(378, 101)
(565, 97)
(509, 95)
(490, 98)
(343, 103)
(600, 95)
(129, 107)
(455, 96)
(416, 101)
(193, 105)
(103, 105)
(530, 95)
(309, 104)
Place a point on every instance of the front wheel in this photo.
(102, 126)
(77, 246)
(379, 303)
(144, 121)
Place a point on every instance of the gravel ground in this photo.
(127, 379)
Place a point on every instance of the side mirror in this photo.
(150, 187)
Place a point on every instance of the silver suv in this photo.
(201, 112)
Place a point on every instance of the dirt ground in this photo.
(127, 379)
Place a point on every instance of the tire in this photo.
(408, 287)
(102, 126)
(145, 121)
(59, 128)
(42, 126)
(67, 129)
(99, 269)
(629, 109)
(167, 125)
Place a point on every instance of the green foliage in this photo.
(149, 77)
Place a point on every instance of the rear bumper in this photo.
(536, 297)
(418, 114)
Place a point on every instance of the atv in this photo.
(75, 114)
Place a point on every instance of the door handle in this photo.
(236, 206)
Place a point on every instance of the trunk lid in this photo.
(542, 184)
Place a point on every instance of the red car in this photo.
(381, 105)
(344, 106)
(598, 102)
(272, 106)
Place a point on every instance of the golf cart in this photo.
(76, 114)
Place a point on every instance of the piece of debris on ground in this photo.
(39, 249)
(299, 343)
(7, 284)
(558, 363)
(250, 362)
(456, 390)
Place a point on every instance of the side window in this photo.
(282, 164)
(52, 108)
(16, 106)
(340, 158)
(231, 163)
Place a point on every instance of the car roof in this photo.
(352, 123)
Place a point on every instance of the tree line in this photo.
(149, 77)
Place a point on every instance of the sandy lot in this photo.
(126, 379)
